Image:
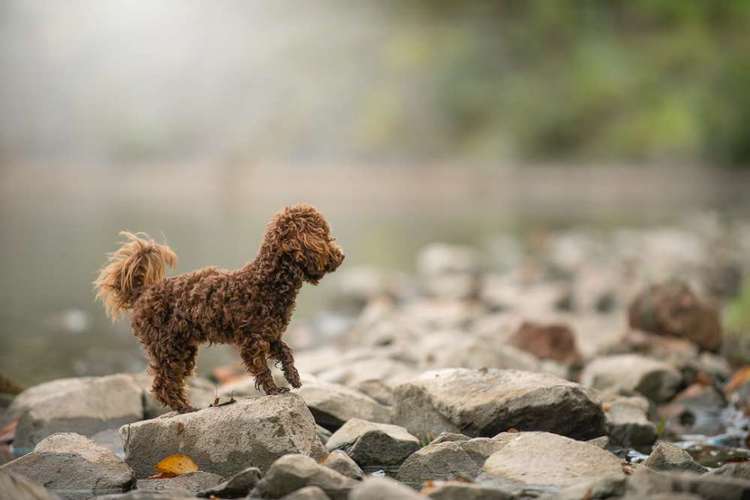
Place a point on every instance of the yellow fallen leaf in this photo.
(176, 465)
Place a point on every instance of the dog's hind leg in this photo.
(254, 353)
(282, 353)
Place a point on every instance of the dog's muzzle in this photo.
(337, 257)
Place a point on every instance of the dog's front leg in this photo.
(254, 353)
(282, 353)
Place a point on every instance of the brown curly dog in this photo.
(249, 307)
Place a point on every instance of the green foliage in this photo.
(540, 79)
(738, 312)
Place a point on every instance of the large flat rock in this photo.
(486, 402)
(226, 439)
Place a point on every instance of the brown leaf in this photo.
(738, 379)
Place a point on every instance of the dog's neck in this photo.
(276, 273)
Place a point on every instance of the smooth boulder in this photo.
(226, 439)
(550, 459)
(486, 402)
(70, 462)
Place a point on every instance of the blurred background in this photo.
(404, 122)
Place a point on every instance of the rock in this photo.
(201, 393)
(446, 437)
(697, 409)
(292, 472)
(334, 404)
(604, 487)
(307, 493)
(65, 462)
(740, 470)
(343, 464)
(360, 370)
(647, 483)
(449, 271)
(547, 341)
(82, 405)
(600, 442)
(656, 380)
(673, 309)
(147, 495)
(226, 439)
(545, 458)
(453, 350)
(17, 487)
(447, 460)
(627, 422)
(460, 490)
(485, 402)
(379, 488)
(370, 443)
(188, 484)
(673, 350)
(668, 457)
(323, 434)
(377, 390)
(236, 486)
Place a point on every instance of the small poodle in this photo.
(249, 307)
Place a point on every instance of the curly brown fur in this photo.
(249, 307)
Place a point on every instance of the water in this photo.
(58, 223)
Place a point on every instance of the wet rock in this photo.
(226, 439)
(236, 486)
(646, 483)
(343, 464)
(739, 470)
(17, 487)
(201, 393)
(485, 402)
(187, 484)
(674, 309)
(378, 488)
(668, 457)
(460, 490)
(67, 462)
(292, 472)
(447, 460)
(84, 405)
(370, 443)
(547, 341)
(334, 404)
(545, 458)
(627, 422)
(307, 493)
(656, 380)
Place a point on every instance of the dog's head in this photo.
(303, 235)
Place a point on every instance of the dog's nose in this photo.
(335, 262)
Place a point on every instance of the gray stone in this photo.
(307, 493)
(84, 405)
(600, 488)
(236, 486)
(226, 439)
(627, 423)
(485, 402)
(148, 495)
(647, 483)
(656, 380)
(67, 463)
(343, 464)
(447, 460)
(17, 487)
(190, 483)
(370, 443)
(201, 393)
(600, 442)
(379, 488)
(377, 390)
(545, 458)
(460, 490)
(292, 472)
(740, 470)
(334, 404)
(666, 456)
(445, 437)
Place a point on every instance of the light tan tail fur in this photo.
(137, 264)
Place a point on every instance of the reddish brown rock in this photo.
(673, 309)
(547, 341)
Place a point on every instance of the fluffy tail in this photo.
(137, 264)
